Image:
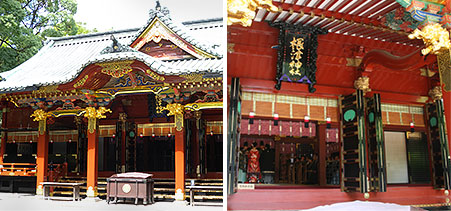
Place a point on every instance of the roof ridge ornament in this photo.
(159, 10)
(116, 47)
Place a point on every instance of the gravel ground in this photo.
(20, 201)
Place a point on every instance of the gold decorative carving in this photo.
(242, 12)
(154, 75)
(193, 77)
(200, 106)
(353, 62)
(444, 66)
(81, 81)
(434, 36)
(122, 117)
(116, 69)
(435, 93)
(41, 116)
(46, 89)
(363, 83)
(93, 114)
(159, 108)
(176, 110)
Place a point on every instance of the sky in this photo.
(105, 15)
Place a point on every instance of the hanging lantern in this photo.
(141, 135)
(251, 117)
(306, 121)
(328, 121)
(153, 135)
(276, 119)
(114, 135)
(211, 132)
(412, 127)
(169, 134)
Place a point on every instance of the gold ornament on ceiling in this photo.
(242, 12)
(434, 36)
(363, 83)
(436, 93)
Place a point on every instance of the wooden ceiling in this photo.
(359, 18)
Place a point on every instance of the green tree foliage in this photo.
(25, 24)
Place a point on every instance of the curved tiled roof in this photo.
(181, 30)
(62, 59)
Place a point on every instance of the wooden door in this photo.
(353, 150)
(376, 147)
(439, 145)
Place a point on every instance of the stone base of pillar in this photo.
(179, 195)
(39, 190)
(91, 192)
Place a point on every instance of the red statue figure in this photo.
(253, 164)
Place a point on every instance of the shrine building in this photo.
(345, 100)
(88, 106)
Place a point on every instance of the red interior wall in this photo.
(253, 58)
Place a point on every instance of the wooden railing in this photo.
(18, 169)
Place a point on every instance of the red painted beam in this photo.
(265, 86)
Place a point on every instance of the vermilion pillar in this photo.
(42, 150)
(93, 142)
(92, 167)
(180, 164)
(41, 161)
(177, 111)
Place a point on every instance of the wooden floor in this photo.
(282, 198)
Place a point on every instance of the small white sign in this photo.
(244, 186)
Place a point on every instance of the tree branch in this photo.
(12, 47)
(26, 5)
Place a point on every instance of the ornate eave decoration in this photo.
(296, 55)
(40, 116)
(201, 106)
(434, 37)
(177, 111)
(93, 114)
(116, 69)
(429, 11)
(242, 13)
